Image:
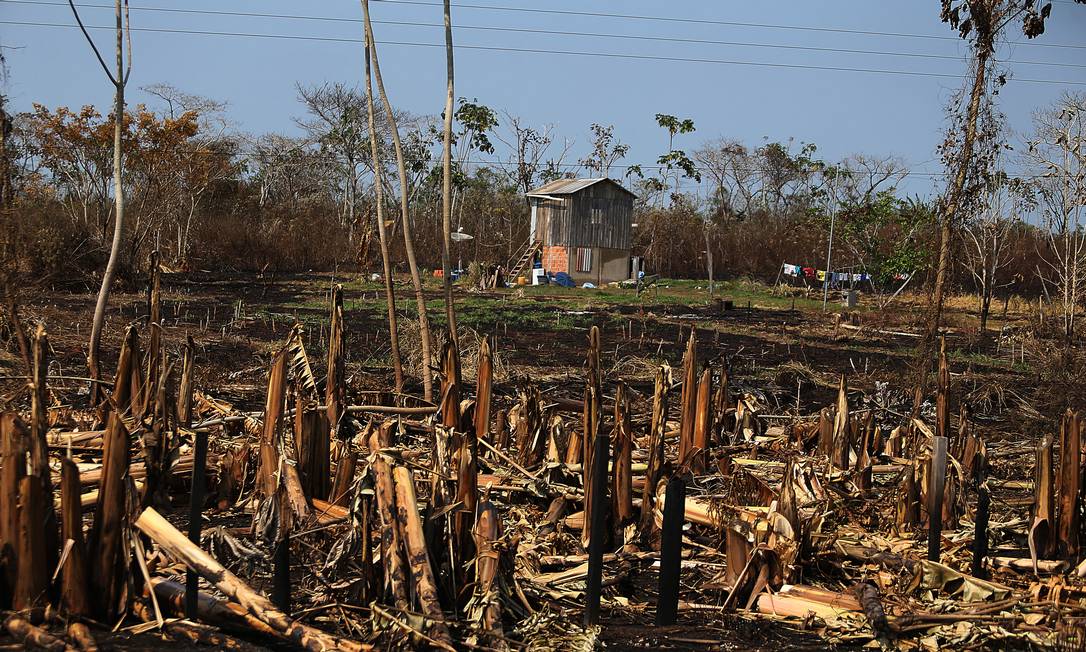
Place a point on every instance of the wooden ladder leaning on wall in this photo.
(526, 258)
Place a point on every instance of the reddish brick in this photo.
(555, 259)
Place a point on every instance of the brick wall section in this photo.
(556, 259)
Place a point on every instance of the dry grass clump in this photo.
(633, 366)
(470, 340)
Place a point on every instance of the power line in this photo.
(609, 55)
(310, 156)
(706, 21)
(522, 30)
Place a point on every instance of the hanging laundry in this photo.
(809, 272)
(821, 275)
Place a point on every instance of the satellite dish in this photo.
(461, 237)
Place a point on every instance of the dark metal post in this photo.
(935, 498)
(281, 574)
(196, 508)
(598, 530)
(671, 544)
(984, 503)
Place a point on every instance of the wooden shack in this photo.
(582, 227)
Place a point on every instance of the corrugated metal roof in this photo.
(569, 186)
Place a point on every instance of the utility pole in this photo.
(829, 247)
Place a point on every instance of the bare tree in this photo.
(382, 231)
(210, 158)
(982, 23)
(424, 321)
(337, 124)
(286, 171)
(732, 169)
(1057, 155)
(119, 78)
(446, 181)
(988, 240)
(529, 146)
(606, 150)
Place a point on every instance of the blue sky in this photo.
(842, 112)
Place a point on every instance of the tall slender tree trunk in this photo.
(446, 184)
(424, 321)
(709, 259)
(946, 221)
(378, 189)
(118, 223)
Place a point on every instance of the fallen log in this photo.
(31, 635)
(327, 513)
(186, 631)
(229, 615)
(1025, 565)
(138, 470)
(868, 596)
(793, 603)
(151, 523)
(391, 409)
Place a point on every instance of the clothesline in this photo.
(811, 273)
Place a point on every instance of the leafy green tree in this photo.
(675, 161)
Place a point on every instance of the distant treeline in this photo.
(209, 197)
